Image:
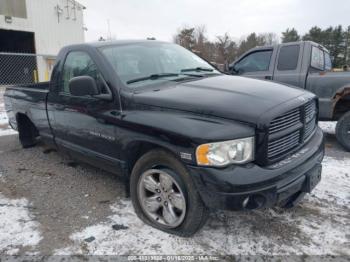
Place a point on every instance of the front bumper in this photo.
(251, 186)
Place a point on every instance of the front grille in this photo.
(310, 109)
(291, 130)
(309, 128)
(283, 144)
(285, 121)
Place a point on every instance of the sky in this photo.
(139, 19)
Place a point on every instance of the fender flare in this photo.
(340, 94)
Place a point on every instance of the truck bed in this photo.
(28, 100)
(31, 87)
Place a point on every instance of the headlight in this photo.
(237, 151)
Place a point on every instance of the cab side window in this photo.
(288, 58)
(257, 61)
(317, 58)
(80, 64)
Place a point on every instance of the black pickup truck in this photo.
(184, 137)
(307, 65)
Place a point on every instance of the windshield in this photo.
(138, 64)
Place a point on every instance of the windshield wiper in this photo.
(198, 69)
(151, 77)
(193, 75)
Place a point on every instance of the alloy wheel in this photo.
(161, 198)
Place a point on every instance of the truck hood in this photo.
(231, 97)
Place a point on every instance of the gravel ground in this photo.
(52, 205)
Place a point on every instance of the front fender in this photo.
(178, 132)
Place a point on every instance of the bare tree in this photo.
(269, 38)
(226, 49)
(201, 41)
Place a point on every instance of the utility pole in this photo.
(109, 30)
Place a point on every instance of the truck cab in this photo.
(284, 63)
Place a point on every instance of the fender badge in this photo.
(186, 156)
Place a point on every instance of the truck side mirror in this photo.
(233, 69)
(230, 68)
(83, 86)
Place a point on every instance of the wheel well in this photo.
(24, 124)
(342, 106)
(137, 149)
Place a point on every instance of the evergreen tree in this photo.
(252, 40)
(331, 38)
(186, 38)
(290, 35)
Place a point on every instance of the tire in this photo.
(196, 213)
(27, 133)
(342, 131)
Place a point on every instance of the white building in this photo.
(39, 27)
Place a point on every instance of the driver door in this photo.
(257, 64)
(85, 125)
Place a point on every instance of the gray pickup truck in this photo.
(306, 65)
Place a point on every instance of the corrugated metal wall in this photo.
(53, 29)
(55, 23)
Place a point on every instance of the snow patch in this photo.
(7, 132)
(3, 118)
(5, 129)
(328, 127)
(318, 226)
(335, 183)
(18, 228)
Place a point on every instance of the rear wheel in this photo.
(27, 132)
(343, 131)
(164, 196)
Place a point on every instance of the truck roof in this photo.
(289, 43)
(114, 42)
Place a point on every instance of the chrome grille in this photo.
(285, 121)
(283, 144)
(290, 130)
(310, 118)
(309, 128)
(310, 109)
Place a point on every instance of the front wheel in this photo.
(164, 196)
(342, 131)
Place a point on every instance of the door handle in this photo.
(268, 77)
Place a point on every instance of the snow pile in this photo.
(7, 132)
(5, 129)
(3, 117)
(18, 229)
(335, 183)
(328, 127)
